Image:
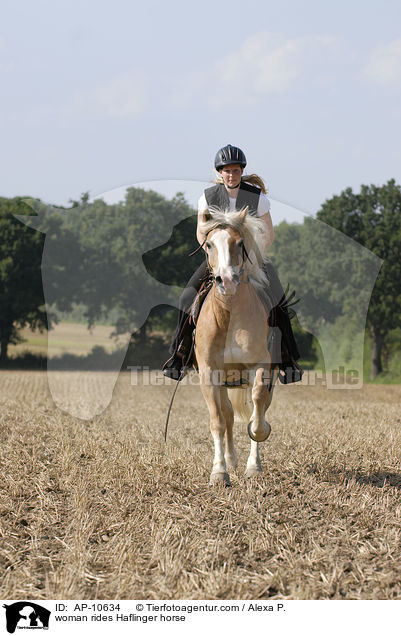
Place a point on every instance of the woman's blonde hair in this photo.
(253, 179)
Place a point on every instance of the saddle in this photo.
(200, 297)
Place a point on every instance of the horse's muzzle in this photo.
(227, 285)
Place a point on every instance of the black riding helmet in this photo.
(229, 154)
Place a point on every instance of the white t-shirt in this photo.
(263, 205)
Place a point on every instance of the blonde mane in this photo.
(254, 234)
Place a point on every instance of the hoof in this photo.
(253, 471)
(219, 478)
(262, 437)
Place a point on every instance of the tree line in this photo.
(127, 262)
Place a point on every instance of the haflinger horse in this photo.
(231, 340)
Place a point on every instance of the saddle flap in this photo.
(198, 302)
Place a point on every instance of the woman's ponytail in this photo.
(254, 179)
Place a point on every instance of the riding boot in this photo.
(279, 317)
(181, 350)
(182, 344)
(290, 371)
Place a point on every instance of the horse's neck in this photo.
(224, 306)
(242, 321)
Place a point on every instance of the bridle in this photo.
(244, 253)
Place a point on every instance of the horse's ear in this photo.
(206, 216)
(243, 213)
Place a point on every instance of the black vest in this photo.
(248, 195)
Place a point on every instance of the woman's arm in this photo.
(202, 207)
(267, 220)
(264, 215)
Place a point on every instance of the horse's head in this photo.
(225, 250)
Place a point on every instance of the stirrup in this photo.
(290, 373)
(176, 369)
(175, 374)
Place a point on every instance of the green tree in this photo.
(21, 292)
(332, 277)
(130, 260)
(373, 218)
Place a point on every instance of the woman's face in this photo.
(232, 175)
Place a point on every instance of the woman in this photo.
(233, 192)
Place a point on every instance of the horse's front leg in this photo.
(212, 394)
(253, 465)
(258, 428)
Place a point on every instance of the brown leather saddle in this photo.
(199, 299)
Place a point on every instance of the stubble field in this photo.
(105, 509)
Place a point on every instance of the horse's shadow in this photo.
(378, 479)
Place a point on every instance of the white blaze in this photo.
(225, 268)
(220, 240)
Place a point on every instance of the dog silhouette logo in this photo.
(26, 615)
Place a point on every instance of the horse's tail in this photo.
(241, 400)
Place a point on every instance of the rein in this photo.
(198, 248)
(184, 366)
(246, 253)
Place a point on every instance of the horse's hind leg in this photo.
(212, 395)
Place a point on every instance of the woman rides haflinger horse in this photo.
(235, 191)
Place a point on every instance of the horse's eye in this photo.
(208, 245)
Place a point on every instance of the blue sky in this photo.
(97, 95)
